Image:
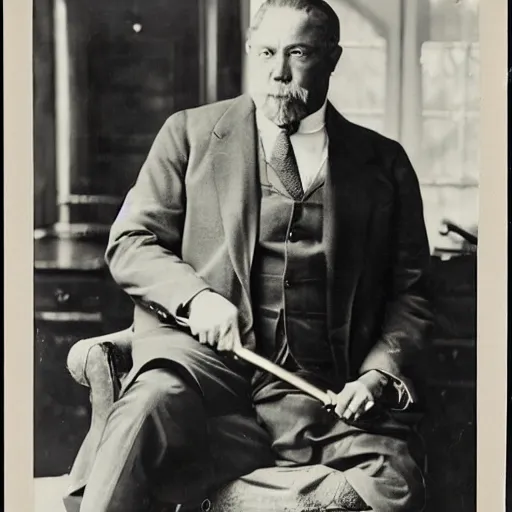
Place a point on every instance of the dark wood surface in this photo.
(449, 427)
(45, 209)
(52, 253)
(124, 84)
(74, 298)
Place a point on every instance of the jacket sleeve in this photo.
(408, 316)
(144, 248)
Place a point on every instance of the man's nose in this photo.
(281, 71)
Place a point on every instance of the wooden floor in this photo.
(48, 494)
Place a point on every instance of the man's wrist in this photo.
(392, 391)
(184, 309)
(375, 381)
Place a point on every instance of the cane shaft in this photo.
(268, 366)
(281, 373)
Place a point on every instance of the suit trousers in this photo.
(185, 431)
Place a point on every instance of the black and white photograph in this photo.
(255, 255)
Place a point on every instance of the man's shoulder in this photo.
(372, 137)
(211, 111)
(203, 117)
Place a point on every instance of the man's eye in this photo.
(265, 53)
(298, 53)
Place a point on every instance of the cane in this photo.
(268, 366)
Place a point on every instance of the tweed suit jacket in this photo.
(190, 223)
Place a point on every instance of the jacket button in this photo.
(206, 505)
(291, 236)
(287, 284)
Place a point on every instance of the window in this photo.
(410, 70)
(448, 154)
(358, 85)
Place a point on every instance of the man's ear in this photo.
(334, 56)
(247, 46)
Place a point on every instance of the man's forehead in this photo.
(287, 25)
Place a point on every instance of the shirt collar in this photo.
(314, 122)
(310, 124)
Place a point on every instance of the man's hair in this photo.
(321, 12)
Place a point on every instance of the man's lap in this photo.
(237, 443)
(222, 381)
(373, 453)
(294, 426)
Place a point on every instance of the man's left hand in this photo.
(359, 396)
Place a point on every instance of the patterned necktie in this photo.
(284, 163)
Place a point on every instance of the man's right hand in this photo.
(214, 320)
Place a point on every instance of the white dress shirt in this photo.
(310, 145)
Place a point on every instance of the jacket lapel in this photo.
(234, 163)
(348, 209)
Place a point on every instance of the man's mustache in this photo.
(285, 93)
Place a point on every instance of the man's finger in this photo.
(369, 405)
(235, 330)
(212, 336)
(343, 399)
(357, 404)
(193, 329)
(225, 339)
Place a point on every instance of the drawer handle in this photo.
(61, 296)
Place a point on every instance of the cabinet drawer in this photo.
(453, 361)
(449, 431)
(455, 316)
(70, 293)
(61, 406)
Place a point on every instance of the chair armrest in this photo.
(79, 356)
(97, 363)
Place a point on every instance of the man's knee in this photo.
(158, 388)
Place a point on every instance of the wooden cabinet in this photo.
(74, 298)
(449, 427)
(122, 69)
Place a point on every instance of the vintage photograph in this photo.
(255, 239)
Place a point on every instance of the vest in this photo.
(289, 278)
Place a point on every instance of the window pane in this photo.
(450, 80)
(450, 74)
(444, 68)
(452, 20)
(473, 78)
(471, 150)
(358, 85)
(359, 80)
(442, 151)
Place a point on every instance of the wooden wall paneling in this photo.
(119, 174)
(450, 435)
(78, 34)
(45, 209)
(229, 59)
(123, 83)
(137, 80)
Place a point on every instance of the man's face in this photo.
(289, 65)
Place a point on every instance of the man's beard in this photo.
(283, 104)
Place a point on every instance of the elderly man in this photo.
(272, 221)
